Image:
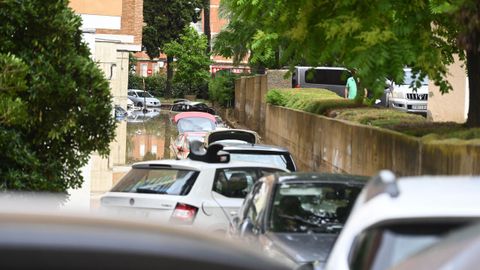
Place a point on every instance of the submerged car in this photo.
(191, 126)
(202, 194)
(296, 217)
(141, 98)
(393, 219)
(191, 106)
(232, 136)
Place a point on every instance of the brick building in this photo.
(146, 66)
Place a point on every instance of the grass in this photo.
(324, 102)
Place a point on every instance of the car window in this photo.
(195, 124)
(326, 76)
(157, 181)
(143, 94)
(234, 182)
(277, 160)
(315, 207)
(385, 246)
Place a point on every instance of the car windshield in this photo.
(408, 80)
(193, 124)
(272, 159)
(386, 246)
(144, 94)
(311, 207)
(157, 181)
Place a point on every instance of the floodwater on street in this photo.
(139, 137)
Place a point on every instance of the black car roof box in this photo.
(212, 154)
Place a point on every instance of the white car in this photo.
(402, 96)
(186, 192)
(139, 97)
(393, 219)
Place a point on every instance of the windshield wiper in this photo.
(150, 191)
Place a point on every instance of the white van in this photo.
(331, 78)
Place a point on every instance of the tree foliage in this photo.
(165, 21)
(377, 38)
(193, 64)
(55, 104)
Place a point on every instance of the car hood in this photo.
(407, 89)
(303, 247)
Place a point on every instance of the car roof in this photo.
(324, 68)
(234, 146)
(199, 165)
(322, 177)
(68, 241)
(182, 115)
(422, 197)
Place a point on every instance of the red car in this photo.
(191, 126)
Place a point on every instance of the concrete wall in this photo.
(323, 144)
(276, 79)
(250, 102)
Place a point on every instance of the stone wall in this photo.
(323, 144)
(276, 79)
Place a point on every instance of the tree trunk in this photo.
(206, 24)
(168, 85)
(473, 67)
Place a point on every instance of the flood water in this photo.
(139, 137)
(148, 136)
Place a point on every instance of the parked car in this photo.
(141, 116)
(219, 123)
(331, 78)
(232, 136)
(296, 217)
(201, 194)
(191, 126)
(139, 97)
(393, 219)
(56, 240)
(120, 113)
(459, 250)
(260, 153)
(402, 96)
(190, 106)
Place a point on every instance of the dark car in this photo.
(40, 240)
(260, 153)
(190, 106)
(297, 216)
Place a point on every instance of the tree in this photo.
(377, 38)
(192, 65)
(55, 103)
(165, 21)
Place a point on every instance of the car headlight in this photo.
(398, 94)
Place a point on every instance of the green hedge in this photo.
(156, 85)
(318, 101)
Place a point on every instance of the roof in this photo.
(182, 115)
(198, 165)
(323, 177)
(332, 68)
(423, 197)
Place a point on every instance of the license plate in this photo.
(419, 107)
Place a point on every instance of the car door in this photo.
(231, 186)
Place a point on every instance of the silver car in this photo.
(141, 98)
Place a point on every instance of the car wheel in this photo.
(139, 104)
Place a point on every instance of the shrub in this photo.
(318, 101)
(154, 84)
(221, 88)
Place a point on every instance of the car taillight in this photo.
(184, 214)
(297, 86)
